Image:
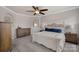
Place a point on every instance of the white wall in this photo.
(67, 17)
(22, 21)
(3, 13)
(77, 22)
(18, 20)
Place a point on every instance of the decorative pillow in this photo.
(53, 30)
(55, 26)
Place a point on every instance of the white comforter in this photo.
(52, 40)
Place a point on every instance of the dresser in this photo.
(21, 32)
(71, 37)
(5, 37)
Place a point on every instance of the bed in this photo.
(52, 40)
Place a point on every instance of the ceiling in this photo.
(51, 9)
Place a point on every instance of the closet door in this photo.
(0, 36)
(5, 37)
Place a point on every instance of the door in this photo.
(5, 37)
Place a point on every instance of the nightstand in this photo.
(71, 37)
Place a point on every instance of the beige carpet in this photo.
(25, 44)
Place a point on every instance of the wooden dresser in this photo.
(71, 37)
(5, 37)
(21, 32)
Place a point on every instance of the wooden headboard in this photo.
(21, 32)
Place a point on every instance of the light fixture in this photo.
(35, 25)
(37, 12)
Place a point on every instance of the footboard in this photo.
(49, 42)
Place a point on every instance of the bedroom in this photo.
(59, 16)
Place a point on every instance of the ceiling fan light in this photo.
(37, 12)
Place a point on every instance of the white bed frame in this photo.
(56, 44)
(50, 40)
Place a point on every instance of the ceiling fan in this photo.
(37, 10)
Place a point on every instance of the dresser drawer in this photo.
(20, 32)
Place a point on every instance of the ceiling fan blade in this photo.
(34, 7)
(42, 13)
(44, 10)
(37, 8)
(34, 14)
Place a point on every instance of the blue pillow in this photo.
(53, 30)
